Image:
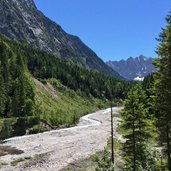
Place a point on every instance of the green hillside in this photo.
(40, 92)
(61, 106)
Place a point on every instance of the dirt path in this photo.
(52, 151)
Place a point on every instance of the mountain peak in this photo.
(130, 58)
(133, 68)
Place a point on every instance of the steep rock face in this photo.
(21, 20)
(133, 68)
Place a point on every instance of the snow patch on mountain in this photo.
(138, 78)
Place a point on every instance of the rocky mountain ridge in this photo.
(133, 68)
(21, 20)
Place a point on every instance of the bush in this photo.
(20, 127)
(104, 162)
(5, 130)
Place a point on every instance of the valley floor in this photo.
(54, 150)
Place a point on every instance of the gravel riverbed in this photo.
(54, 150)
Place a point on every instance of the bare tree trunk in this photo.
(168, 146)
(134, 151)
(112, 140)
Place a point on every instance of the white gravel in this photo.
(56, 149)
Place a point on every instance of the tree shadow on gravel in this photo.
(5, 150)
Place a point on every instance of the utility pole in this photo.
(112, 140)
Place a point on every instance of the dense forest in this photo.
(22, 104)
(146, 117)
(43, 66)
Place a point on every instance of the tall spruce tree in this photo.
(162, 88)
(136, 128)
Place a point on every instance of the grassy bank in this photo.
(61, 106)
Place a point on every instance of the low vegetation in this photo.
(61, 106)
(17, 161)
(2, 164)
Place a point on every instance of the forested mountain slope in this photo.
(63, 93)
(21, 20)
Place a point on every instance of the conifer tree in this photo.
(135, 125)
(16, 90)
(2, 96)
(4, 78)
(162, 88)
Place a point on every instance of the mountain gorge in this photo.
(51, 82)
(133, 68)
(47, 76)
(21, 20)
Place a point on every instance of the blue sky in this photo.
(114, 29)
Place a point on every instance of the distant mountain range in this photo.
(21, 20)
(133, 68)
